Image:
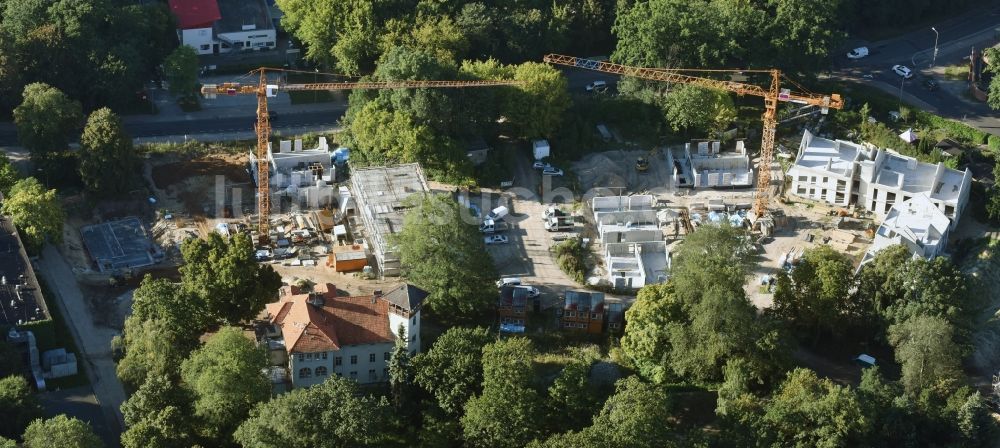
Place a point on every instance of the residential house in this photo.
(222, 26)
(918, 224)
(709, 166)
(845, 173)
(583, 310)
(634, 265)
(321, 333)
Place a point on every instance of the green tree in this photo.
(181, 71)
(507, 413)
(107, 160)
(814, 297)
(8, 174)
(332, 414)
(18, 406)
(571, 398)
(400, 371)
(156, 393)
(804, 32)
(227, 279)
(7, 443)
(926, 350)
(226, 380)
(807, 411)
(460, 278)
(166, 427)
(452, 370)
(162, 299)
(535, 108)
(993, 95)
(61, 431)
(152, 348)
(46, 119)
(646, 341)
(698, 110)
(36, 212)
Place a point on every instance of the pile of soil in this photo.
(233, 167)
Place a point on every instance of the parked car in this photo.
(930, 84)
(508, 281)
(496, 239)
(597, 86)
(858, 53)
(532, 291)
(903, 71)
(539, 165)
(552, 171)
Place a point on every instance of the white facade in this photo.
(844, 173)
(201, 39)
(709, 166)
(363, 363)
(917, 224)
(294, 166)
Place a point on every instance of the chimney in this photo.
(316, 299)
(375, 295)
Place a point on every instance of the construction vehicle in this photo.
(642, 164)
(558, 223)
(772, 96)
(264, 90)
(490, 226)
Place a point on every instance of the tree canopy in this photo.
(18, 406)
(46, 119)
(444, 255)
(452, 369)
(815, 296)
(926, 350)
(61, 431)
(508, 412)
(226, 378)
(181, 70)
(226, 278)
(108, 163)
(36, 212)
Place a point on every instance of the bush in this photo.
(571, 257)
(994, 143)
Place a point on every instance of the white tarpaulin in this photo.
(909, 136)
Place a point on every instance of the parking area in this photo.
(527, 254)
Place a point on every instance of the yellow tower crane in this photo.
(264, 90)
(772, 96)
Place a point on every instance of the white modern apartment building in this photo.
(845, 173)
(918, 224)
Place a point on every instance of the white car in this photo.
(508, 281)
(539, 165)
(552, 171)
(597, 86)
(903, 71)
(858, 53)
(532, 291)
(496, 239)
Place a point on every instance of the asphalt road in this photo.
(956, 38)
(8, 136)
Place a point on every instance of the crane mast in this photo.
(772, 96)
(263, 91)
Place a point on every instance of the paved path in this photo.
(93, 341)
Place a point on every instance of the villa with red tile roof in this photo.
(321, 333)
(221, 26)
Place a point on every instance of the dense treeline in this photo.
(99, 52)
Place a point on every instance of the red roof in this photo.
(195, 13)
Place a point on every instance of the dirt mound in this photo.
(232, 167)
(605, 169)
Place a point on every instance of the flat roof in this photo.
(839, 153)
(918, 219)
(122, 244)
(382, 192)
(24, 304)
(918, 177)
(237, 13)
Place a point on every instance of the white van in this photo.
(498, 213)
(858, 53)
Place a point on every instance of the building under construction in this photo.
(380, 194)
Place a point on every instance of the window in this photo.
(593, 315)
(803, 179)
(371, 357)
(338, 361)
(413, 320)
(324, 355)
(824, 180)
(612, 326)
(321, 371)
(305, 372)
(413, 338)
(203, 32)
(801, 191)
(371, 375)
(270, 44)
(354, 359)
(949, 210)
(354, 375)
(309, 356)
(205, 47)
(571, 314)
(385, 373)
(302, 357)
(385, 356)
